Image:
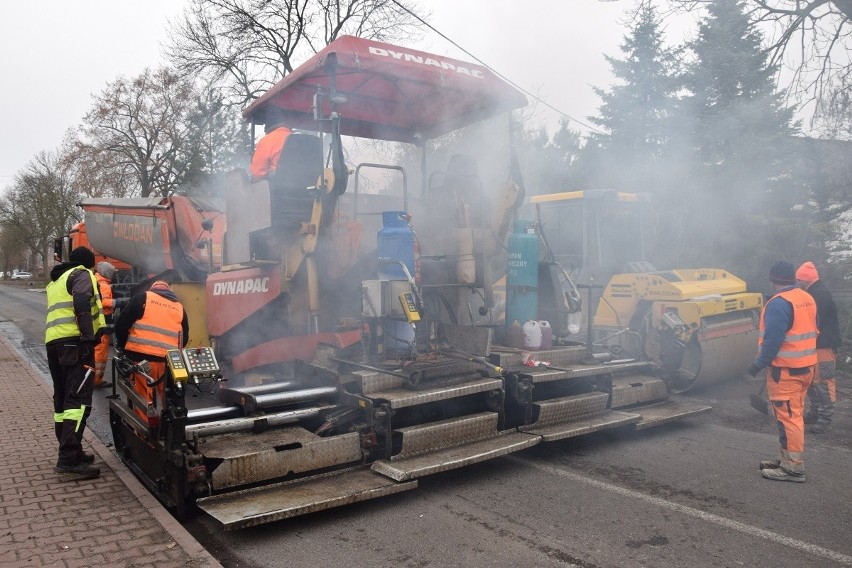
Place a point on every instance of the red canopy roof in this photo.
(392, 93)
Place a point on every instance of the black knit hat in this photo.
(82, 255)
(782, 272)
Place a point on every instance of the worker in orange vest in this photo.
(104, 271)
(788, 336)
(152, 323)
(264, 162)
(823, 391)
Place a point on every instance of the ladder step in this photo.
(570, 408)
(667, 412)
(630, 390)
(442, 434)
(603, 421)
(402, 398)
(452, 458)
(260, 505)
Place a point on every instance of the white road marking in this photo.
(709, 517)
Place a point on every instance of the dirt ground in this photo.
(730, 402)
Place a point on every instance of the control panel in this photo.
(193, 363)
(177, 366)
(409, 307)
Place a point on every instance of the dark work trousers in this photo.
(71, 408)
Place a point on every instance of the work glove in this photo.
(753, 370)
(87, 353)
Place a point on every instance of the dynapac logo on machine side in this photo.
(247, 286)
(427, 61)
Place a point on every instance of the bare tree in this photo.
(96, 170)
(244, 46)
(136, 136)
(811, 37)
(12, 249)
(39, 205)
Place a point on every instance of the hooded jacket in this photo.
(829, 324)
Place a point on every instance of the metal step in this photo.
(603, 421)
(442, 434)
(452, 458)
(420, 376)
(560, 356)
(259, 505)
(667, 412)
(637, 389)
(568, 409)
(252, 458)
(576, 415)
(401, 398)
(544, 374)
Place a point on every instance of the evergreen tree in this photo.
(740, 131)
(548, 163)
(739, 116)
(640, 150)
(740, 135)
(637, 114)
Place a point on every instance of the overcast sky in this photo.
(56, 54)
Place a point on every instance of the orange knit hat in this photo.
(807, 273)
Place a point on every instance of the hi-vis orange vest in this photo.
(105, 290)
(267, 152)
(799, 346)
(159, 328)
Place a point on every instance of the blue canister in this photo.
(522, 274)
(395, 244)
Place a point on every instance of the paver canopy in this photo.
(387, 92)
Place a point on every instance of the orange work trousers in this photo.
(786, 389)
(153, 395)
(826, 371)
(101, 356)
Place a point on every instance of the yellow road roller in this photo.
(699, 325)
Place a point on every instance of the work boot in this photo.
(81, 471)
(770, 464)
(811, 417)
(779, 474)
(88, 459)
(818, 428)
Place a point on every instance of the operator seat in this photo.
(462, 179)
(291, 185)
(458, 190)
(292, 193)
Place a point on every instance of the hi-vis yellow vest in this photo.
(61, 321)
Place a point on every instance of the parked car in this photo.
(21, 276)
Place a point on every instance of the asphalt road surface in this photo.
(687, 494)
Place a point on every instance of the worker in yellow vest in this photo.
(74, 320)
(152, 323)
(788, 337)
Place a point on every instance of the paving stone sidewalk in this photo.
(109, 521)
